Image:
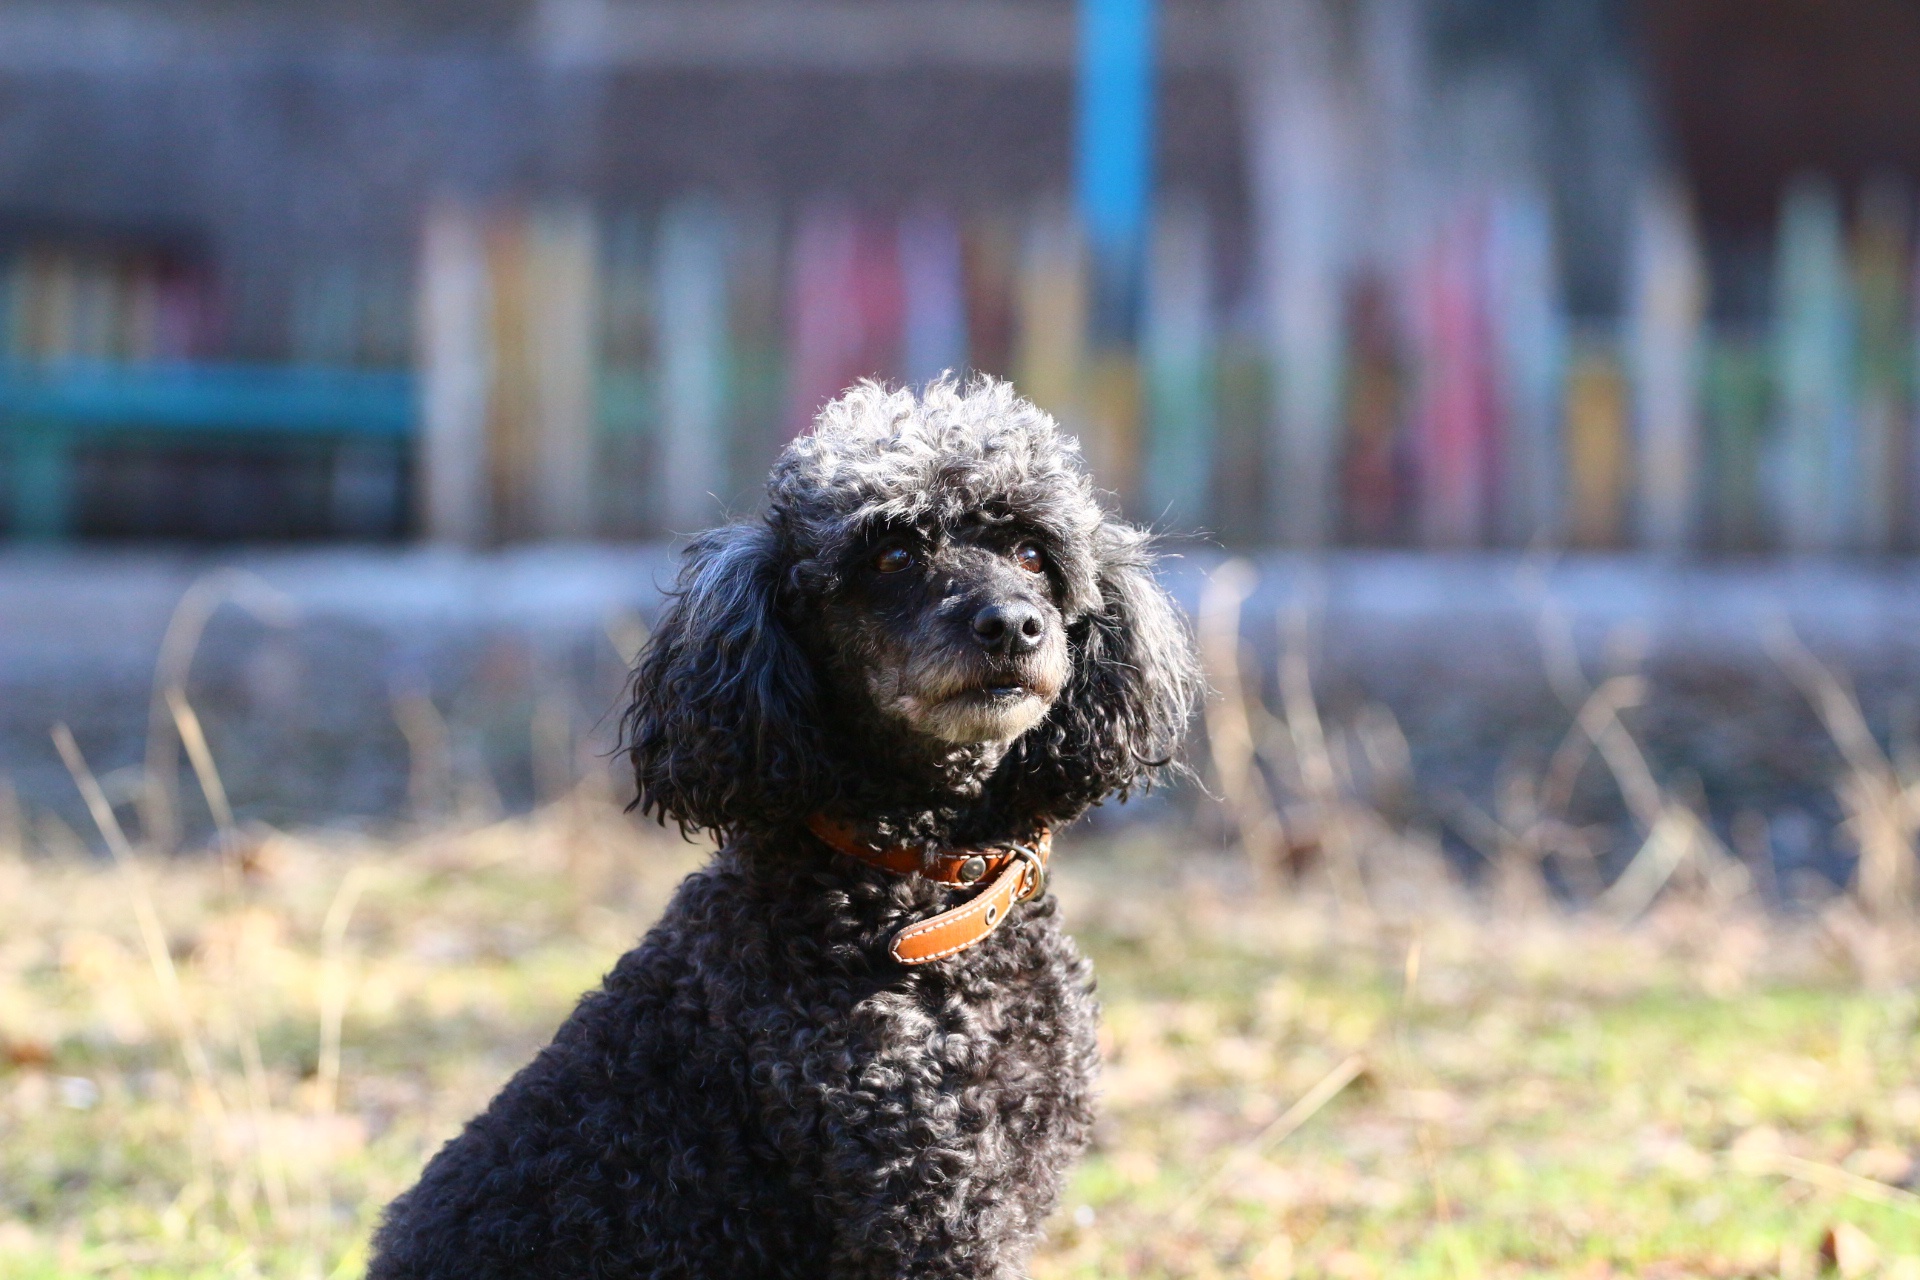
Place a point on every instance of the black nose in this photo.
(1010, 629)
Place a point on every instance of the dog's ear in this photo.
(1134, 683)
(720, 727)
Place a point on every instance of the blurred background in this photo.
(1526, 392)
(1462, 318)
(1400, 273)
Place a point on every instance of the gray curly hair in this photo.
(724, 731)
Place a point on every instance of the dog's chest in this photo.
(988, 1058)
(1020, 1014)
(957, 1091)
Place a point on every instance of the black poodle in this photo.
(858, 1042)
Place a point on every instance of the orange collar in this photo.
(1012, 875)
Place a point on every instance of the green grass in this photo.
(1705, 1093)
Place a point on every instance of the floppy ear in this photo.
(720, 729)
(1135, 680)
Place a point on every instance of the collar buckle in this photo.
(1034, 883)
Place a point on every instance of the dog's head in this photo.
(933, 582)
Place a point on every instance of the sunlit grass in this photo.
(1548, 1096)
(1705, 1092)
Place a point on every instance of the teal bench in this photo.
(47, 411)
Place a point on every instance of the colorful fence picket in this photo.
(568, 373)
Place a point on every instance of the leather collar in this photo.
(1011, 875)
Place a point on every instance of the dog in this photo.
(858, 1043)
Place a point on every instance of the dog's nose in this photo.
(1010, 629)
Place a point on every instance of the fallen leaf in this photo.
(1848, 1250)
(25, 1053)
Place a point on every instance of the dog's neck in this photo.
(908, 788)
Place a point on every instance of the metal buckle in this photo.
(1034, 883)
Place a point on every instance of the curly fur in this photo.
(757, 1090)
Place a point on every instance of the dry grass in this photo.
(1703, 1092)
(235, 1094)
(1706, 1091)
(1324, 1056)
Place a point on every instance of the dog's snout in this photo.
(1011, 629)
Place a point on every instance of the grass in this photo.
(1324, 1057)
(1524, 1092)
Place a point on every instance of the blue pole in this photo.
(1114, 154)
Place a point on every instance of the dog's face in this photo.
(953, 630)
(934, 609)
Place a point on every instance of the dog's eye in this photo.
(1029, 557)
(893, 559)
